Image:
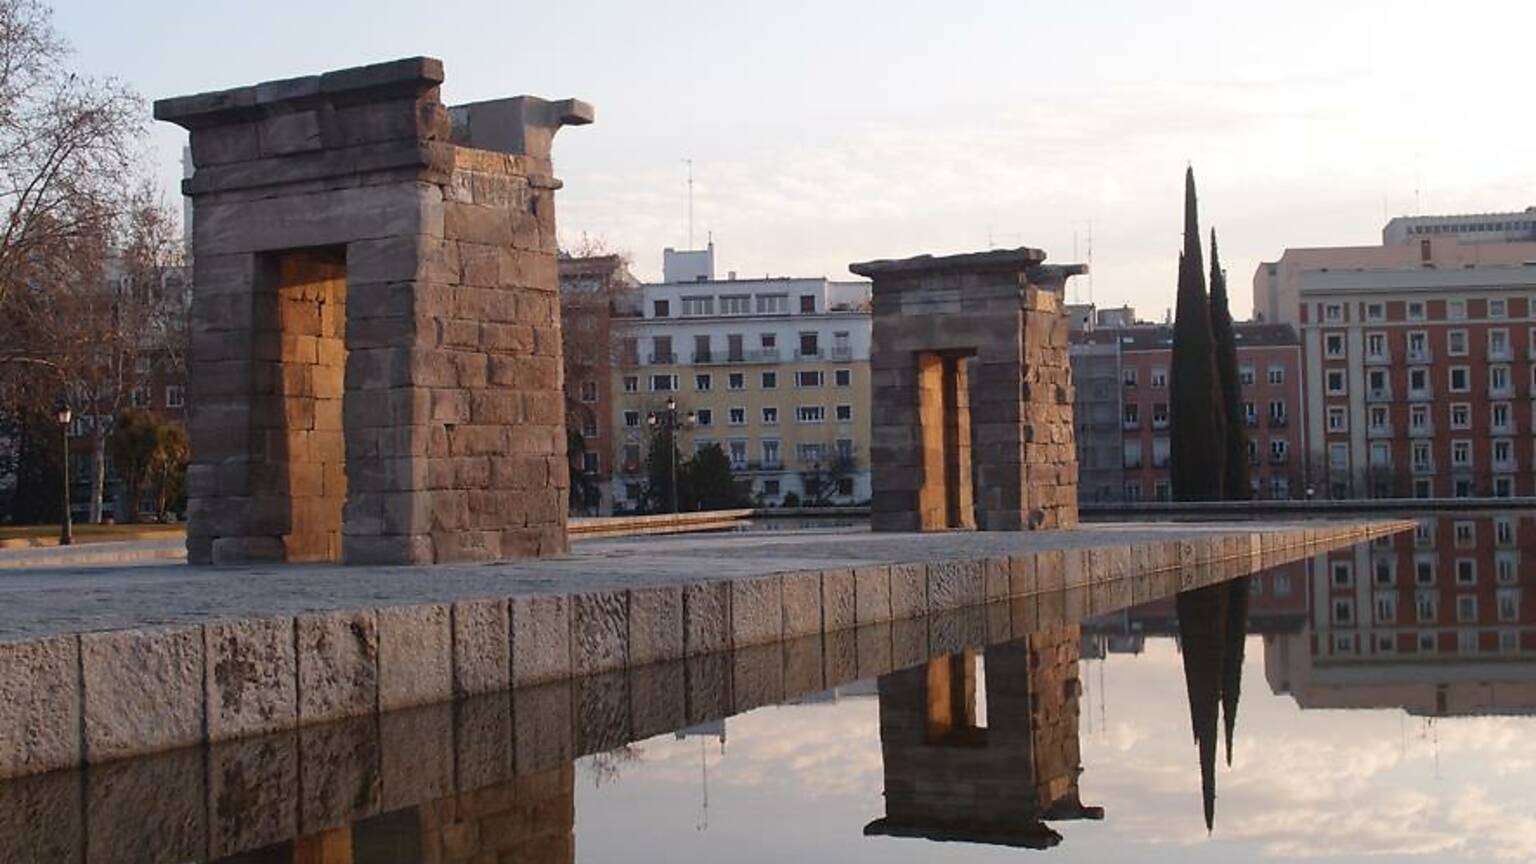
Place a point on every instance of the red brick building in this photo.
(592, 290)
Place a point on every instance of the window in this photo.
(1418, 382)
(810, 414)
(1424, 570)
(772, 304)
(1456, 310)
(1498, 381)
(807, 304)
(770, 416)
(771, 452)
(1277, 374)
(1503, 453)
(1377, 418)
(1335, 378)
(631, 384)
(1498, 417)
(1338, 419)
(1509, 604)
(1381, 455)
(632, 463)
(736, 381)
(736, 448)
(1128, 376)
(769, 341)
(1456, 343)
(1465, 534)
(1333, 344)
(663, 383)
(1376, 345)
(1466, 609)
(1246, 375)
(1461, 453)
(590, 463)
(631, 419)
(1343, 610)
(1498, 308)
(1504, 531)
(735, 304)
(809, 453)
(1250, 414)
(736, 416)
(770, 380)
(1343, 574)
(1426, 606)
(1160, 452)
(1461, 415)
(704, 417)
(1159, 377)
(1415, 310)
(1466, 571)
(808, 378)
(1418, 346)
(1131, 456)
(1506, 567)
(770, 487)
(1159, 415)
(702, 381)
(176, 395)
(842, 377)
(1385, 607)
(1418, 452)
(1338, 457)
(1333, 312)
(698, 306)
(843, 413)
(661, 309)
(844, 451)
(1460, 379)
(1131, 415)
(1504, 487)
(589, 427)
(1498, 344)
(1418, 418)
(1375, 311)
(1383, 570)
(809, 345)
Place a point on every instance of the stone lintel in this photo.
(1022, 258)
(403, 78)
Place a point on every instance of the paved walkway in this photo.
(46, 601)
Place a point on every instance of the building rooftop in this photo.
(1151, 337)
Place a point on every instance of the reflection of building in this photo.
(1438, 622)
(774, 371)
(1277, 603)
(948, 778)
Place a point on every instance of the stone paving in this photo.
(103, 664)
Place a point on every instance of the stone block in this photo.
(543, 726)
(658, 698)
(602, 712)
(802, 604)
(142, 691)
(1050, 570)
(1021, 575)
(999, 580)
(250, 793)
(252, 677)
(909, 590)
(415, 656)
(706, 617)
(708, 687)
(148, 809)
(872, 594)
(483, 740)
(417, 754)
(655, 625)
(599, 632)
(909, 643)
(999, 622)
(338, 661)
(342, 779)
(541, 639)
(40, 721)
(482, 646)
(757, 677)
(954, 630)
(838, 601)
(1024, 615)
(757, 611)
(803, 667)
(955, 585)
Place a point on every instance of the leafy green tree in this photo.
(660, 473)
(709, 484)
(1197, 421)
(1235, 479)
(150, 454)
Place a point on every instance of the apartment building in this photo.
(1419, 356)
(1441, 622)
(1269, 365)
(775, 371)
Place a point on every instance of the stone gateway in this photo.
(375, 362)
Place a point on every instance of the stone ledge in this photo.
(361, 662)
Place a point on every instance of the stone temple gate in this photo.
(971, 393)
(375, 363)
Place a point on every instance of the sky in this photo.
(822, 134)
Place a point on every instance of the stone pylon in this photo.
(375, 362)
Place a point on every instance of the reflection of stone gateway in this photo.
(969, 359)
(948, 779)
(375, 359)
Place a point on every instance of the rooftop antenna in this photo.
(689, 163)
(1090, 262)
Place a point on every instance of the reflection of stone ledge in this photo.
(262, 673)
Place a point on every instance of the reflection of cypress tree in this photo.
(1202, 626)
(1236, 634)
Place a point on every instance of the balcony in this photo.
(1424, 467)
(1380, 430)
(661, 359)
(1278, 421)
(1505, 392)
(1378, 359)
(1421, 430)
(1279, 458)
(842, 352)
(1159, 423)
(1251, 421)
(810, 354)
(763, 355)
(1500, 355)
(1425, 394)
(1130, 425)
(1421, 356)
(703, 356)
(1132, 463)
(1378, 394)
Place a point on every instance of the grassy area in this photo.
(22, 536)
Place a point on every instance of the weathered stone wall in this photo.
(440, 237)
(1011, 430)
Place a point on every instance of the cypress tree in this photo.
(1196, 421)
(1235, 480)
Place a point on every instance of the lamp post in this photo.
(667, 420)
(67, 530)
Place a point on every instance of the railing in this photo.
(1278, 421)
(1422, 430)
(1380, 430)
(1130, 425)
(1426, 394)
(765, 355)
(812, 354)
(1379, 394)
(702, 356)
(1378, 359)
(1422, 356)
(1131, 463)
(1504, 354)
(1251, 421)
(842, 352)
(1279, 458)
(1159, 424)
(659, 359)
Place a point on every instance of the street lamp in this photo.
(667, 420)
(67, 530)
